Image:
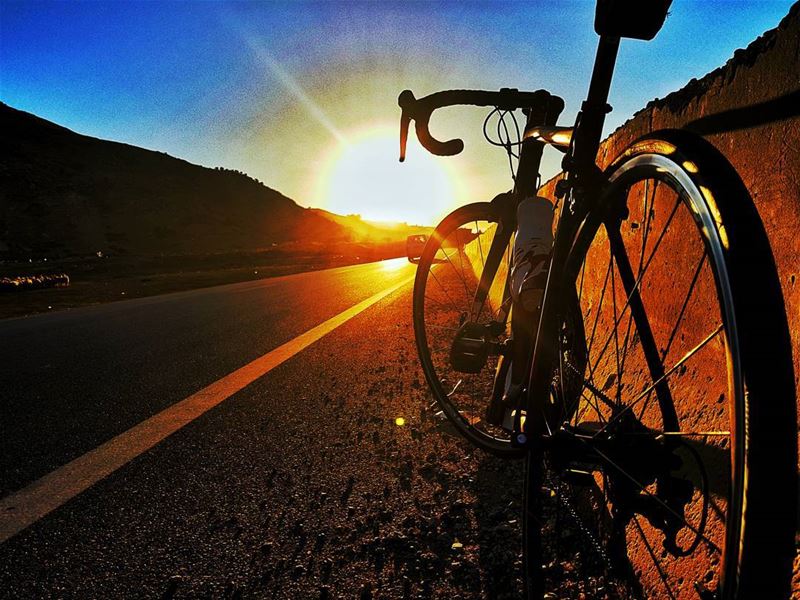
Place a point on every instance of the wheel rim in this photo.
(444, 290)
(652, 531)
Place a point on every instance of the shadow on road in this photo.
(498, 489)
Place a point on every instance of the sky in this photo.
(303, 95)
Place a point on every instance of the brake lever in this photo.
(406, 100)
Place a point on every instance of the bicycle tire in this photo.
(757, 532)
(465, 412)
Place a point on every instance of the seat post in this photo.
(594, 109)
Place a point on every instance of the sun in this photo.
(364, 177)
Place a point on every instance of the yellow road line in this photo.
(23, 508)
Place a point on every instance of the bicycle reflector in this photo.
(470, 348)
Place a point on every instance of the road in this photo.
(243, 441)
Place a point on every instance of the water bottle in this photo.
(531, 258)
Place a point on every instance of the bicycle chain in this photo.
(573, 513)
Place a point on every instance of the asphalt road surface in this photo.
(243, 441)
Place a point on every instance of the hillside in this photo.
(65, 194)
(363, 231)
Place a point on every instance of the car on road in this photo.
(415, 244)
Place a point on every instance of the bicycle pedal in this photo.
(470, 348)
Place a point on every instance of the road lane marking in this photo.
(26, 506)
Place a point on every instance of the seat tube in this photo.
(534, 221)
(589, 128)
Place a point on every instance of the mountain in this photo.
(365, 231)
(65, 194)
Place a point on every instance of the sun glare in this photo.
(394, 264)
(364, 177)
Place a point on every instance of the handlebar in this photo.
(420, 110)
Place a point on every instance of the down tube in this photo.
(549, 320)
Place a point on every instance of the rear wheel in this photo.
(655, 479)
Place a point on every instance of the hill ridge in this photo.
(63, 193)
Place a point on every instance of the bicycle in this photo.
(658, 404)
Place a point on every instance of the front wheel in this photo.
(470, 245)
(668, 479)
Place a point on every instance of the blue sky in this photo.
(271, 87)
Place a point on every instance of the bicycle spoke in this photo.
(599, 307)
(649, 200)
(592, 388)
(637, 284)
(616, 337)
(434, 301)
(656, 562)
(646, 393)
(675, 367)
(685, 304)
(599, 394)
(590, 404)
(461, 263)
(649, 203)
(580, 286)
(483, 268)
(449, 299)
(461, 274)
(480, 247)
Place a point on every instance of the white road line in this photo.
(23, 508)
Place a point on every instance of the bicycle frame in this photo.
(583, 185)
